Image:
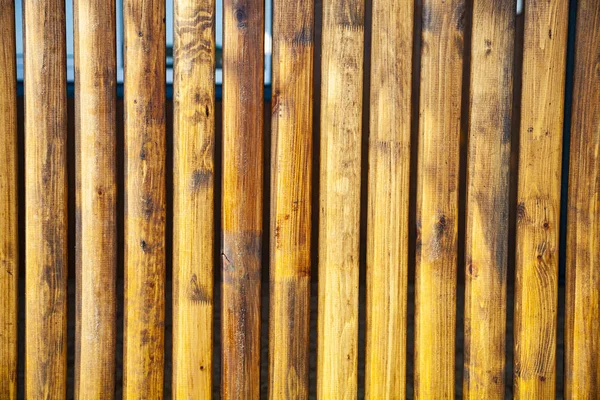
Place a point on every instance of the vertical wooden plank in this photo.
(145, 214)
(582, 357)
(538, 208)
(339, 224)
(488, 173)
(389, 178)
(9, 239)
(45, 199)
(437, 197)
(193, 201)
(243, 53)
(96, 123)
(291, 177)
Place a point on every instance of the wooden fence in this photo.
(403, 191)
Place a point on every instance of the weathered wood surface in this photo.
(193, 198)
(339, 222)
(388, 203)
(95, 56)
(145, 214)
(538, 202)
(487, 218)
(9, 239)
(45, 199)
(443, 26)
(242, 223)
(291, 180)
(582, 359)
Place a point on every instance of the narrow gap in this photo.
(566, 148)
(462, 199)
(22, 271)
(264, 326)
(217, 225)
(168, 318)
(315, 209)
(513, 196)
(364, 173)
(71, 243)
(412, 205)
(120, 221)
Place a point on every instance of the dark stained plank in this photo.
(582, 348)
(242, 222)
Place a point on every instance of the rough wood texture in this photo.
(145, 214)
(193, 200)
(538, 203)
(9, 240)
(339, 223)
(96, 129)
(437, 197)
(242, 197)
(486, 249)
(389, 177)
(582, 361)
(45, 199)
(291, 178)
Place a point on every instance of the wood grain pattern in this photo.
(45, 199)
(193, 198)
(9, 239)
(538, 202)
(389, 190)
(145, 214)
(437, 197)
(242, 221)
(291, 178)
(582, 357)
(95, 56)
(339, 222)
(487, 221)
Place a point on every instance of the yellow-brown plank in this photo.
(339, 224)
(242, 222)
(291, 174)
(193, 201)
(45, 199)
(95, 56)
(9, 240)
(538, 203)
(145, 214)
(486, 249)
(437, 197)
(582, 357)
(389, 175)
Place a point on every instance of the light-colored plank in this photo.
(45, 200)
(538, 203)
(95, 56)
(582, 347)
(145, 214)
(488, 173)
(242, 223)
(9, 239)
(193, 200)
(291, 179)
(339, 222)
(437, 197)
(389, 190)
